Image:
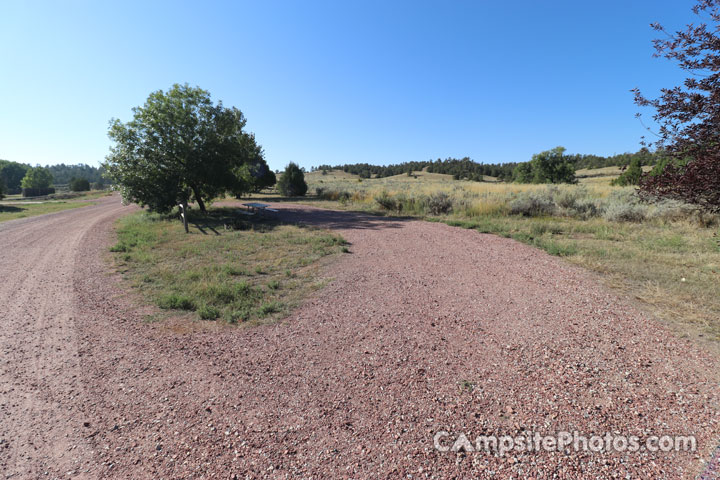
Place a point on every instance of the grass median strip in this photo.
(226, 268)
(17, 210)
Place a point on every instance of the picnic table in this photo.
(257, 208)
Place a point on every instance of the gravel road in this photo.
(422, 329)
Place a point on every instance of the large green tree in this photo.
(37, 177)
(551, 166)
(179, 147)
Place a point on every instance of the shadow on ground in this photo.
(10, 209)
(226, 214)
(337, 220)
(219, 219)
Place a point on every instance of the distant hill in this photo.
(469, 169)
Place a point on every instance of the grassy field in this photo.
(15, 206)
(666, 256)
(226, 268)
(470, 198)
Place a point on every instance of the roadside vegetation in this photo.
(16, 206)
(12, 211)
(226, 268)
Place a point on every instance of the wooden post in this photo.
(183, 215)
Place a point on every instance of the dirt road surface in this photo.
(422, 329)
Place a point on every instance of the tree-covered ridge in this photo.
(464, 168)
(469, 169)
(12, 174)
(62, 174)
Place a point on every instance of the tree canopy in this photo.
(689, 114)
(180, 146)
(37, 177)
(263, 177)
(550, 166)
(12, 173)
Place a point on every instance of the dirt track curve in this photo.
(424, 328)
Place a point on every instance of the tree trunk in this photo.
(199, 201)
(184, 214)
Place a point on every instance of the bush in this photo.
(574, 202)
(292, 182)
(98, 186)
(386, 202)
(37, 192)
(672, 210)
(439, 203)
(533, 204)
(624, 206)
(585, 208)
(624, 212)
(567, 198)
(79, 185)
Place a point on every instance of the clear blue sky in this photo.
(339, 81)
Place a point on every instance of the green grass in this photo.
(17, 210)
(225, 268)
(15, 206)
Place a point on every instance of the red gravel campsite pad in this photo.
(422, 328)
